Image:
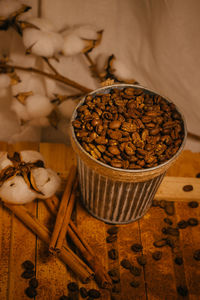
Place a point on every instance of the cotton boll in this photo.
(38, 106)
(29, 82)
(27, 133)
(100, 62)
(67, 107)
(8, 7)
(16, 191)
(40, 122)
(42, 23)
(88, 32)
(47, 181)
(20, 110)
(72, 44)
(121, 70)
(42, 43)
(4, 81)
(31, 156)
(5, 162)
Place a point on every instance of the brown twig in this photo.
(92, 66)
(57, 77)
(47, 61)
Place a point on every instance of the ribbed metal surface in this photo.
(115, 201)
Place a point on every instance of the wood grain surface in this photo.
(158, 279)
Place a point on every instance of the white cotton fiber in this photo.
(31, 156)
(100, 62)
(47, 181)
(88, 32)
(38, 106)
(40, 122)
(4, 81)
(20, 110)
(8, 7)
(72, 45)
(16, 191)
(67, 107)
(4, 161)
(42, 23)
(121, 70)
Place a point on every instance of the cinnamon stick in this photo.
(62, 211)
(66, 254)
(101, 275)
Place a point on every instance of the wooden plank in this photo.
(171, 189)
(22, 242)
(190, 236)
(52, 274)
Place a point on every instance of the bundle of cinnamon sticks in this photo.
(56, 240)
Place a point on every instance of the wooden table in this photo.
(159, 279)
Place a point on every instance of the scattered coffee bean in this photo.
(198, 175)
(182, 224)
(170, 242)
(111, 238)
(163, 204)
(94, 294)
(33, 282)
(196, 255)
(193, 204)
(193, 222)
(28, 274)
(27, 264)
(114, 275)
(112, 230)
(188, 188)
(160, 243)
(142, 260)
(173, 231)
(113, 254)
(136, 247)
(135, 271)
(83, 292)
(169, 209)
(164, 230)
(168, 221)
(30, 292)
(72, 287)
(125, 263)
(135, 284)
(178, 260)
(116, 289)
(182, 291)
(157, 255)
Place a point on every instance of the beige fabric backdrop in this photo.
(158, 41)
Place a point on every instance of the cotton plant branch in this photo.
(58, 77)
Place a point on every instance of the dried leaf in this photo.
(14, 78)
(21, 97)
(91, 44)
(29, 49)
(24, 8)
(25, 24)
(54, 118)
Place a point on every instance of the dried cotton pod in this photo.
(23, 177)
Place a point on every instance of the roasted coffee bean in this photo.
(182, 224)
(136, 247)
(155, 203)
(33, 282)
(170, 242)
(83, 292)
(114, 275)
(116, 289)
(157, 255)
(160, 243)
(164, 230)
(94, 294)
(72, 287)
(193, 204)
(149, 126)
(125, 263)
(162, 203)
(172, 231)
(30, 292)
(182, 291)
(111, 238)
(28, 274)
(135, 271)
(178, 260)
(142, 260)
(188, 188)
(112, 230)
(193, 222)
(196, 255)
(113, 254)
(27, 264)
(135, 284)
(198, 175)
(169, 209)
(168, 221)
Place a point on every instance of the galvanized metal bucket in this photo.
(113, 195)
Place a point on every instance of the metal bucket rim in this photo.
(121, 85)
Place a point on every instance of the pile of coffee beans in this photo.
(74, 291)
(129, 128)
(29, 273)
